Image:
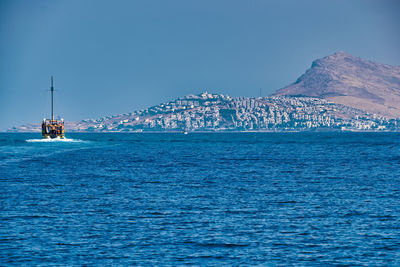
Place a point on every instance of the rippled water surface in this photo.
(201, 199)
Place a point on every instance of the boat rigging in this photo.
(52, 128)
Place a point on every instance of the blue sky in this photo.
(111, 57)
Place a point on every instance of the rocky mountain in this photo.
(351, 81)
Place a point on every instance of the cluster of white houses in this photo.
(214, 112)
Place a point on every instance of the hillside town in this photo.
(217, 112)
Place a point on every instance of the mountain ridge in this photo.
(352, 81)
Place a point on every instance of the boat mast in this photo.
(52, 96)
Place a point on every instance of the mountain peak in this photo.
(352, 81)
(341, 53)
(339, 57)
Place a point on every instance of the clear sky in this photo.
(112, 57)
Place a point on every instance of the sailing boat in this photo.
(52, 128)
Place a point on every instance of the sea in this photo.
(200, 199)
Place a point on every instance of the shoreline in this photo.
(211, 132)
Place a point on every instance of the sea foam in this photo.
(44, 140)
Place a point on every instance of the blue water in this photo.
(201, 199)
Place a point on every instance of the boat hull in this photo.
(52, 129)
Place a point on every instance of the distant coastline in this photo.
(220, 113)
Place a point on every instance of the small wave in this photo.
(223, 245)
(54, 140)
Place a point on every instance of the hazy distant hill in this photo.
(351, 81)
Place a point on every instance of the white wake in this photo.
(54, 140)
